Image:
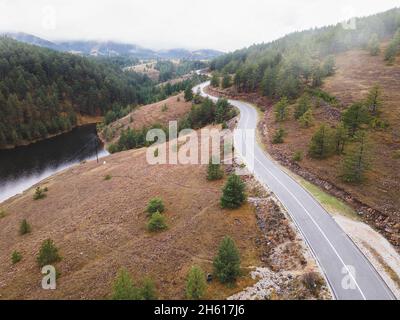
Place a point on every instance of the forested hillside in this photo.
(287, 66)
(42, 91)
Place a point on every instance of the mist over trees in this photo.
(301, 60)
(42, 91)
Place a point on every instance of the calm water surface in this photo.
(22, 167)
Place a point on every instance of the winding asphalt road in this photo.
(349, 273)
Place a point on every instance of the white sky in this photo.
(218, 24)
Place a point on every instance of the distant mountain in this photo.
(110, 48)
(30, 39)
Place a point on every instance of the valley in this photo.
(265, 170)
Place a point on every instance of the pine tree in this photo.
(156, 222)
(354, 117)
(221, 110)
(148, 290)
(214, 80)
(302, 106)
(278, 136)
(340, 138)
(195, 283)
(214, 171)
(373, 45)
(227, 262)
(374, 100)
(268, 83)
(24, 227)
(280, 110)
(188, 94)
(357, 161)
(307, 119)
(233, 194)
(123, 287)
(48, 253)
(321, 143)
(226, 81)
(394, 47)
(155, 205)
(16, 257)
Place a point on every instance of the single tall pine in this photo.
(233, 194)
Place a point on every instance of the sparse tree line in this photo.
(169, 70)
(348, 138)
(202, 113)
(226, 264)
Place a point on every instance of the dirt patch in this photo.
(286, 257)
(147, 68)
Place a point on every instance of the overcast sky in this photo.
(159, 24)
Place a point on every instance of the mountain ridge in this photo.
(113, 48)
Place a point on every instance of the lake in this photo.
(22, 167)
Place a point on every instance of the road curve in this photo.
(349, 273)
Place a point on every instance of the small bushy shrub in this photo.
(48, 253)
(155, 205)
(16, 257)
(24, 227)
(156, 222)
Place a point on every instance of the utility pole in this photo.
(96, 144)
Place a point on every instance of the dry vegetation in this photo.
(379, 196)
(95, 213)
(147, 68)
(357, 72)
(99, 226)
(171, 109)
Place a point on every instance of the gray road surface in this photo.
(349, 273)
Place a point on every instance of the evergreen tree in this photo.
(195, 283)
(340, 138)
(321, 143)
(354, 117)
(233, 193)
(373, 45)
(393, 48)
(227, 262)
(221, 110)
(148, 290)
(123, 287)
(302, 106)
(226, 81)
(328, 68)
(307, 119)
(280, 110)
(278, 136)
(268, 83)
(24, 227)
(155, 205)
(374, 100)
(48, 253)
(357, 161)
(317, 75)
(214, 80)
(156, 222)
(188, 94)
(214, 171)
(16, 257)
